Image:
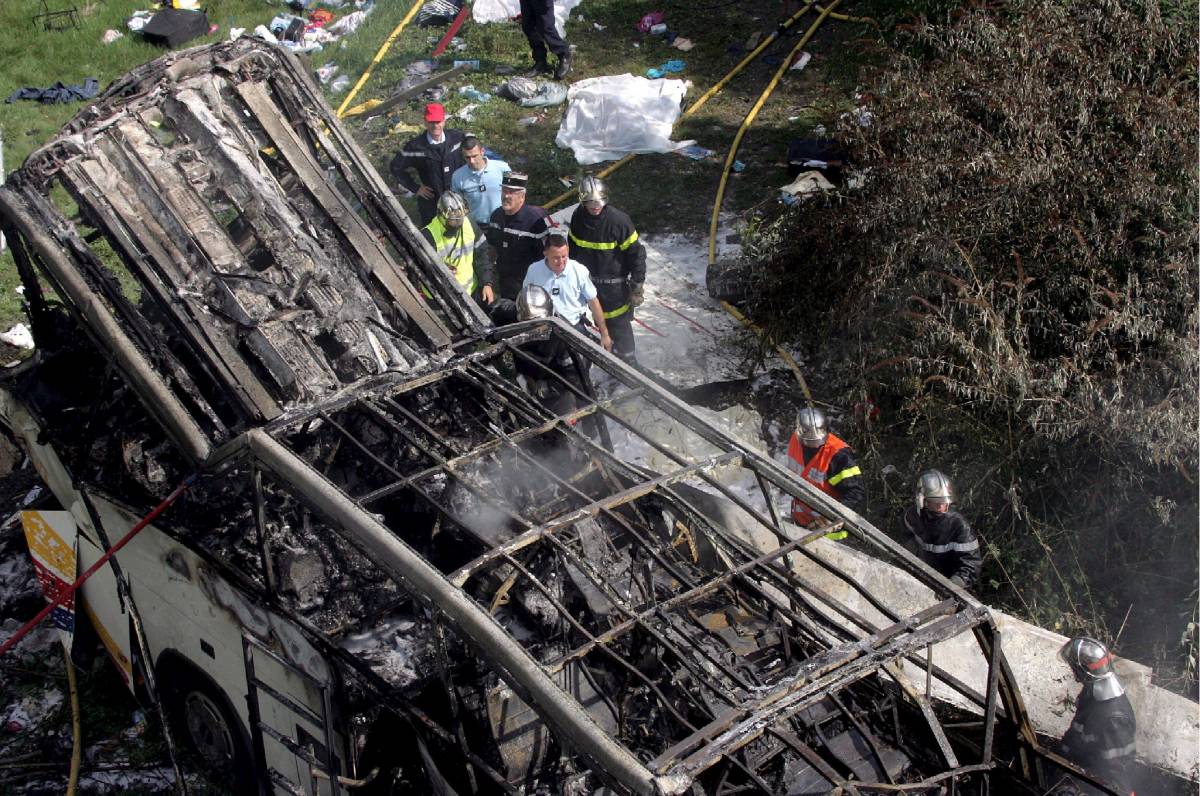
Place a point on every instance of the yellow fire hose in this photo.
(729, 158)
(387, 45)
(750, 117)
(76, 729)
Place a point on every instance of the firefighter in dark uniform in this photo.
(537, 22)
(826, 462)
(604, 239)
(1101, 738)
(943, 539)
(552, 354)
(515, 232)
(433, 155)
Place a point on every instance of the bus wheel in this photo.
(206, 725)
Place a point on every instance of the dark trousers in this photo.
(537, 21)
(620, 329)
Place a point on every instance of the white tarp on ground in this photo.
(504, 10)
(609, 117)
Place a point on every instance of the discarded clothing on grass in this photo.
(807, 182)
(823, 154)
(609, 117)
(506, 10)
(438, 12)
(59, 92)
(532, 93)
(669, 68)
(172, 27)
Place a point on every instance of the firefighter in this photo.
(455, 241)
(942, 538)
(515, 233)
(537, 23)
(826, 462)
(603, 238)
(434, 155)
(552, 356)
(1101, 738)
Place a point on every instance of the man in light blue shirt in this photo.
(569, 286)
(479, 181)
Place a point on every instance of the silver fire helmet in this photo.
(534, 302)
(452, 208)
(933, 488)
(811, 427)
(593, 190)
(1089, 659)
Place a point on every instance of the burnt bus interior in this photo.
(512, 599)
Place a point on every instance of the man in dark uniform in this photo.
(1101, 738)
(547, 358)
(434, 155)
(942, 538)
(537, 21)
(604, 239)
(515, 233)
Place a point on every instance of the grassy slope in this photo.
(661, 192)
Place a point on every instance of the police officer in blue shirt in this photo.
(479, 180)
(570, 288)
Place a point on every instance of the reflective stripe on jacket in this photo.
(455, 246)
(816, 472)
(609, 247)
(1102, 738)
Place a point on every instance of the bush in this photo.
(1018, 273)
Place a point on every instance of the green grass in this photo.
(661, 192)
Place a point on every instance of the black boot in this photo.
(539, 68)
(564, 67)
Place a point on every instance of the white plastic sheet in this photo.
(504, 10)
(609, 117)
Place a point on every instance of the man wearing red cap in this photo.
(433, 155)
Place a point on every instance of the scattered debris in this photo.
(668, 68)
(472, 93)
(681, 43)
(532, 93)
(801, 61)
(694, 152)
(326, 72)
(807, 182)
(111, 35)
(138, 20)
(18, 336)
(646, 23)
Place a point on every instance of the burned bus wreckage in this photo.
(396, 569)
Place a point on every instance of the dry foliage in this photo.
(1021, 262)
